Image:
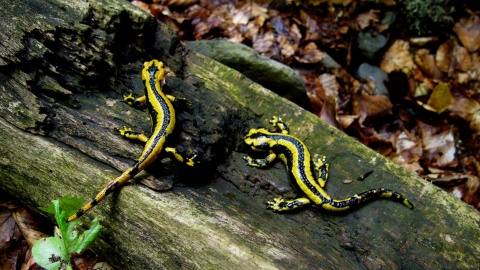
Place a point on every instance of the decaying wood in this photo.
(64, 66)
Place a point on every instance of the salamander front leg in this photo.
(261, 162)
(137, 103)
(285, 205)
(322, 169)
(128, 133)
(278, 123)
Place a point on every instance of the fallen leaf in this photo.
(474, 72)
(439, 147)
(469, 110)
(142, 5)
(287, 48)
(315, 92)
(398, 58)
(329, 111)
(409, 147)
(441, 98)
(422, 41)
(468, 31)
(451, 56)
(367, 19)
(367, 106)
(310, 54)
(265, 43)
(312, 32)
(346, 120)
(176, 3)
(28, 225)
(426, 61)
(329, 84)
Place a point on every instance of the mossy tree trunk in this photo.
(64, 67)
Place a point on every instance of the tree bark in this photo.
(64, 68)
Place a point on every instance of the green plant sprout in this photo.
(54, 252)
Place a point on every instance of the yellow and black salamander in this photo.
(163, 121)
(296, 156)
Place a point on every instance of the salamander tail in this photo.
(358, 199)
(107, 189)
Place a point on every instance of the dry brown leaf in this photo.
(474, 72)
(426, 62)
(310, 54)
(346, 120)
(142, 5)
(451, 57)
(295, 34)
(422, 41)
(330, 2)
(200, 29)
(11, 246)
(463, 59)
(312, 32)
(329, 111)
(315, 92)
(252, 31)
(388, 2)
(367, 106)
(472, 185)
(414, 167)
(240, 18)
(175, 3)
(246, 10)
(367, 19)
(468, 31)
(264, 43)
(469, 110)
(439, 147)
(444, 55)
(409, 147)
(398, 58)
(28, 226)
(9, 232)
(287, 48)
(259, 12)
(329, 84)
(30, 263)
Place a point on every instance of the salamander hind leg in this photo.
(178, 101)
(179, 157)
(261, 162)
(285, 205)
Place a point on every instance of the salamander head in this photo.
(154, 68)
(259, 139)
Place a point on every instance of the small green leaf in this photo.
(49, 253)
(54, 251)
(68, 204)
(88, 236)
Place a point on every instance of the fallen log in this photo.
(65, 66)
